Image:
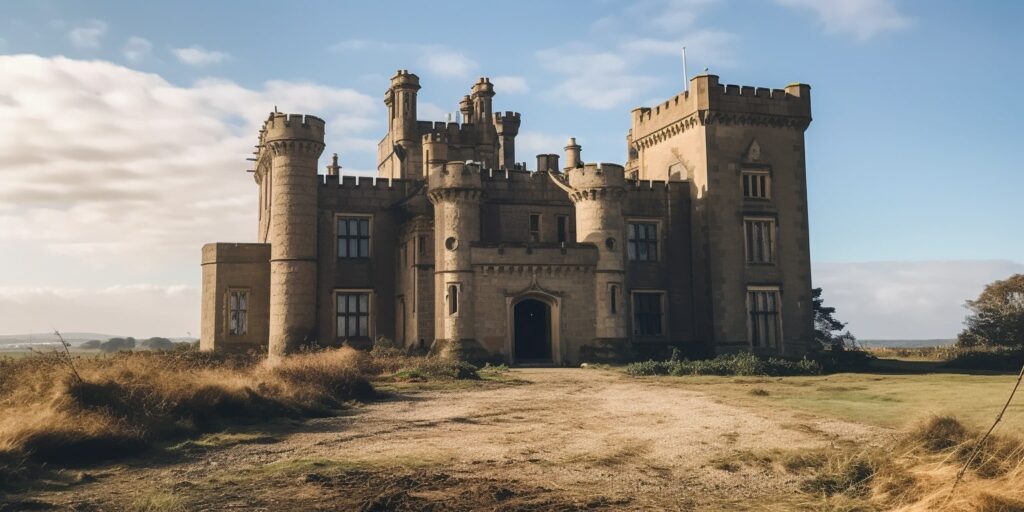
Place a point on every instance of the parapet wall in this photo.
(708, 95)
(603, 175)
(280, 126)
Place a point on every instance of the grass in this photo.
(128, 402)
(741, 364)
(914, 471)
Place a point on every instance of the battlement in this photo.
(707, 94)
(458, 175)
(483, 86)
(435, 137)
(507, 123)
(403, 78)
(280, 126)
(594, 175)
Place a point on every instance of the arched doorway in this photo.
(532, 331)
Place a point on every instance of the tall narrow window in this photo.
(353, 237)
(764, 323)
(642, 241)
(238, 312)
(535, 227)
(757, 185)
(353, 317)
(563, 228)
(453, 299)
(647, 313)
(421, 242)
(613, 299)
(760, 240)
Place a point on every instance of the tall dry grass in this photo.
(916, 471)
(126, 402)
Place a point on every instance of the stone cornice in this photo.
(455, 194)
(532, 269)
(291, 147)
(593, 194)
(706, 117)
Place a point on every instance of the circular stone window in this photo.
(451, 243)
(610, 243)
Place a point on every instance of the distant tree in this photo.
(829, 332)
(91, 344)
(117, 344)
(997, 315)
(158, 344)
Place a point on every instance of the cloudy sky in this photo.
(124, 128)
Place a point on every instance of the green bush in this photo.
(437, 368)
(741, 364)
(988, 358)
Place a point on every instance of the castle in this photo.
(700, 241)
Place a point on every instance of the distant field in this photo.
(883, 399)
(905, 343)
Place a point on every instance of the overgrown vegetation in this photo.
(914, 472)
(997, 316)
(126, 402)
(741, 364)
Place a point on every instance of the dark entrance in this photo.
(532, 331)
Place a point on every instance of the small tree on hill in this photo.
(829, 332)
(91, 344)
(117, 344)
(158, 344)
(997, 315)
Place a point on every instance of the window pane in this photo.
(340, 327)
(363, 327)
(643, 252)
(364, 227)
(353, 247)
(364, 301)
(364, 248)
(342, 248)
(631, 250)
(232, 302)
(342, 227)
(242, 300)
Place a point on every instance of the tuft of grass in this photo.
(439, 368)
(741, 364)
(759, 392)
(157, 501)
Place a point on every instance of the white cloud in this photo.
(140, 310)
(592, 78)
(447, 63)
(510, 84)
(198, 56)
(861, 19)
(87, 36)
(530, 144)
(430, 111)
(906, 300)
(603, 73)
(136, 49)
(127, 172)
(437, 59)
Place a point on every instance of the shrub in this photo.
(741, 364)
(438, 368)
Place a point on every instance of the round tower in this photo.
(456, 192)
(293, 143)
(598, 191)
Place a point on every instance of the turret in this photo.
(483, 92)
(547, 163)
(401, 102)
(572, 154)
(435, 151)
(506, 124)
(597, 193)
(292, 143)
(466, 107)
(455, 190)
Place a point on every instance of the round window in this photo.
(610, 243)
(451, 243)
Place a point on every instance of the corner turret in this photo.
(506, 124)
(401, 102)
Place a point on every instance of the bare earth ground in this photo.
(563, 439)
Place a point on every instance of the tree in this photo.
(997, 316)
(828, 331)
(91, 344)
(158, 344)
(117, 344)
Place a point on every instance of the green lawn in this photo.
(886, 398)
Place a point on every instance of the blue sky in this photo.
(912, 156)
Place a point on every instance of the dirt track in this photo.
(572, 437)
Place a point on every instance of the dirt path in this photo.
(570, 436)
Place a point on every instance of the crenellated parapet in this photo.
(283, 133)
(455, 180)
(507, 123)
(596, 181)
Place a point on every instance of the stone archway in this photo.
(532, 332)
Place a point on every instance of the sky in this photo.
(124, 128)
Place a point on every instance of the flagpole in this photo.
(686, 76)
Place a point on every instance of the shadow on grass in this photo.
(920, 367)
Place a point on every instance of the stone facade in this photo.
(700, 241)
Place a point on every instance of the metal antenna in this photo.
(686, 76)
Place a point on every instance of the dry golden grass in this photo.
(128, 401)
